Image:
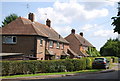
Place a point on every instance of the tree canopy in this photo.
(93, 52)
(9, 19)
(111, 48)
(116, 21)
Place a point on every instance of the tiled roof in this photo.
(23, 26)
(83, 41)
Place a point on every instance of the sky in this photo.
(93, 18)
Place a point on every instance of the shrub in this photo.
(46, 66)
(88, 63)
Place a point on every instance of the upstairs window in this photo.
(9, 39)
(58, 45)
(50, 43)
(62, 46)
(41, 42)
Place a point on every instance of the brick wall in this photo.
(57, 51)
(25, 44)
(40, 49)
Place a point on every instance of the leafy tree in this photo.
(111, 48)
(9, 19)
(116, 21)
(93, 52)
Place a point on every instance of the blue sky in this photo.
(91, 18)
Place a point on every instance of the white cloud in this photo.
(67, 13)
(105, 33)
(87, 27)
(96, 13)
(64, 29)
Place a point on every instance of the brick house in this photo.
(33, 39)
(78, 44)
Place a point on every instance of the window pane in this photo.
(14, 39)
(51, 43)
(8, 40)
(41, 42)
(58, 44)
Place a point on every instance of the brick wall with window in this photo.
(40, 48)
(18, 44)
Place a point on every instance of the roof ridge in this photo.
(83, 38)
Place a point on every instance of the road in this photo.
(109, 75)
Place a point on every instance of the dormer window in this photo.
(9, 39)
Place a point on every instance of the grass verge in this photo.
(59, 73)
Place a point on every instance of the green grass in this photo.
(59, 73)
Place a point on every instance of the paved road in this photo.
(109, 75)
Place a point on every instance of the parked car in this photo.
(100, 63)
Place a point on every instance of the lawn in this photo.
(59, 73)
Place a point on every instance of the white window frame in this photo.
(62, 46)
(50, 43)
(5, 40)
(57, 45)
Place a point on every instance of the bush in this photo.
(89, 63)
(46, 66)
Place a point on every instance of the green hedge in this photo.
(47, 66)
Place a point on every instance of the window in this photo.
(62, 46)
(51, 44)
(58, 45)
(9, 39)
(31, 55)
(41, 42)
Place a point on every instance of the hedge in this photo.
(47, 66)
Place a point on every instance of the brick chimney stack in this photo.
(81, 33)
(31, 17)
(73, 31)
(48, 23)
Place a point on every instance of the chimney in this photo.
(48, 23)
(81, 33)
(31, 17)
(73, 31)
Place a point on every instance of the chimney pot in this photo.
(31, 17)
(73, 31)
(81, 33)
(48, 23)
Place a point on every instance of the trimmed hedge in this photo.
(47, 66)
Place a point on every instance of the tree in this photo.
(116, 21)
(111, 48)
(93, 52)
(9, 19)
